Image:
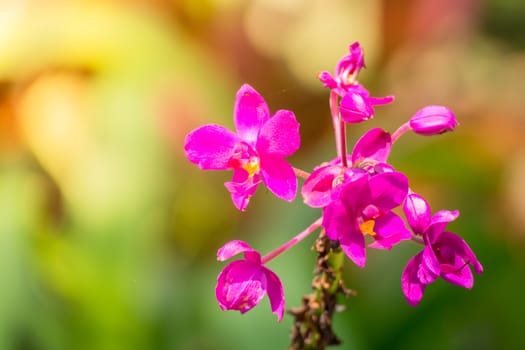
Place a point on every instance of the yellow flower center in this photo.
(367, 227)
(252, 166)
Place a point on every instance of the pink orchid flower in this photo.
(243, 283)
(255, 153)
(356, 103)
(445, 255)
(363, 205)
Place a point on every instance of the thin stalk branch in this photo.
(300, 236)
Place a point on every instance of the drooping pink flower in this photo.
(363, 205)
(255, 153)
(445, 255)
(433, 120)
(243, 283)
(370, 153)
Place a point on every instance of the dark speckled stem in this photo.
(312, 329)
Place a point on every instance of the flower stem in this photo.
(400, 131)
(342, 131)
(339, 128)
(334, 109)
(302, 235)
(417, 239)
(312, 329)
(301, 173)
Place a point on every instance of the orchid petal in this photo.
(355, 191)
(458, 273)
(233, 248)
(352, 62)
(461, 249)
(417, 212)
(430, 267)
(210, 146)
(412, 287)
(390, 229)
(374, 145)
(354, 108)
(336, 219)
(279, 177)
(317, 188)
(327, 79)
(439, 221)
(250, 113)
(242, 187)
(378, 101)
(353, 244)
(388, 190)
(240, 286)
(275, 294)
(279, 136)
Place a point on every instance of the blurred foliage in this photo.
(108, 235)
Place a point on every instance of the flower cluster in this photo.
(357, 192)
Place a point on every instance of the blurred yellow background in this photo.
(108, 235)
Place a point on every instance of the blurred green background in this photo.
(108, 235)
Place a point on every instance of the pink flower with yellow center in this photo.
(255, 153)
(362, 205)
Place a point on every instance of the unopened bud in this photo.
(433, 120)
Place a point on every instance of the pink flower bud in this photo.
(433, 120)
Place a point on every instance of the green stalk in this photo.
(312, 329)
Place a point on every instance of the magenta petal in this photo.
(327, 80)
(336, 220)
(233, 248)
(388, 190)
(374, 145)
(210, 146)
(353, 244)
(454, 256)
(430, 267)
(242, 187)
(412, 288)
(275, 294)
(377, 101)
(250, 113)
(279, 136)
(439, 221)
(417, 212)
(461, 249)
(317, 188)
(390, 230)
(355, 108)
(355, 191)
(279, 177)
(459, 275)
(352, 62)
(240, 286)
